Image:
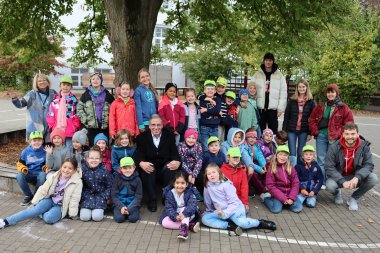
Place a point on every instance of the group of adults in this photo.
(349, 163)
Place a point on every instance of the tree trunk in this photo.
(130, 30)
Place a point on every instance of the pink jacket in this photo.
(282, 186)
(72, 119)
(172, 117)
(123, 116)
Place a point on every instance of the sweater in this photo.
(211, 118)
(238, 176)
(33, 159)
(191, 158)
(146, 105)
(218, 158)
(54, 160)
(123, 116)
(119, 152)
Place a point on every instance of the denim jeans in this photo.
(295, 138)
(207, 132)
(88, 214)
(38, 179)
(275, 206)
(365, 185)
(310, 201)
(51, 212)
(239, 218)
(322, 144)
(132, 217)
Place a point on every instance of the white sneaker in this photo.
(265, 195)
(338, 198)
(2, 223)
(323, 187)
(352, 204)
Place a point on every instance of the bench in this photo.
(8, 178)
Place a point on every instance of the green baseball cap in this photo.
(230, 94)
(126, 161)
(36, 135)
(209, 83)
(221, 81)
(308, 148)
(66, 79)
(234, 152)
(212, 139)
(282, 148)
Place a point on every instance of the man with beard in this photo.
(349, 165)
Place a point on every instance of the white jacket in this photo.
(278, 90)
(72, 193)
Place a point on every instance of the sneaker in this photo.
(232, 227)
(2, 223)
(338, 198)
(26, 201)
(323, 187)
(194, 226)
(183, 232)
(352, 204)
(266, 224)
(265, 195)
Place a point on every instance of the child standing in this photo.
(192, 115)
(230, 115)
(282, 182)
(210, 108)
(267, 146)
(123, 112)
(236, 173)
(80, 148)
(31, 166)
(101, 141)
(57, 154)
(310, 177)
(224, 210)
(251, 86)
(122, 148)
(62, 112)
(57, 197)
(127, 192)
(172, 111)
(221, 84)
(247, 112)
(181, 209)
(97, 184)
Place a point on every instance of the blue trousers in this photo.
(309, 201)
(207, 132)
(38, 179)
(119, 217)
(275, 206)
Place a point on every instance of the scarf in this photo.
(301, 103)
(98, 97)
(62, 111)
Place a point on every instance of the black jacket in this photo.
(291, 116)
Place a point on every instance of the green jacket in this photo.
(247, 116)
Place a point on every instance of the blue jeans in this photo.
(88, 214)
(322, 144)
(38, 179)
(207, 132)
(239, 218)
(310, 201)
(295, 138)
(275, 206)
(51, 212)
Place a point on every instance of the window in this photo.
(76, 75)
(159, 36)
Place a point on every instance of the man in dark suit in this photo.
(157, 157)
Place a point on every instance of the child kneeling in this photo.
(181, 208)
(127, 192)
(224, 210)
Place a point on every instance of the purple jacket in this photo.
(282, 186)
(266, 150)
(222, 194)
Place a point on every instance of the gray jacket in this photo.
(335, 163)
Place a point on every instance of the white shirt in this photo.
(156, 140)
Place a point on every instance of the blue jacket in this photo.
(310, 179)
(97, 184)
(258, 160)
(146, 105)
(33, 159)
(127, 191)
(208, 158)
(119, 152)
(191, 204)
(211, 118)
(247, 160)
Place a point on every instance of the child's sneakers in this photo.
(338, 198)
(2, 223)
(265, 195)
(26, 201)
(194, 226)
(232, 227)
(183, 232)
(266, 224)
(352, 204)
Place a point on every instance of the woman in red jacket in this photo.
(326, 122)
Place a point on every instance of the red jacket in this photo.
(282, 186)
(123, 116)
(106, 159)
(172, 117)
(238, 177)
(340, 116)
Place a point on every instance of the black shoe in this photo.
(232, 227)
(26, 201)
(266, 224)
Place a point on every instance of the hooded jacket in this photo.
(119, 152)
(123, 116)
(247, 160)
(72, 193)
(238, 176)
(173, 117)
(247, 116)
(146, 105)
(170, 209)
(127, 191)
(218, 158)
(335, 161)
(311, 179)
(258, 158)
